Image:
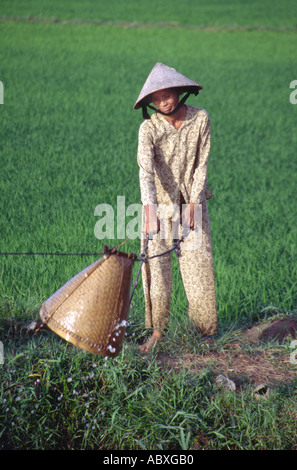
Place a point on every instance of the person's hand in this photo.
(152, 223)
(187, 217)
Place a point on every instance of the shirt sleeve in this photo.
(200, 172)
(145, 159)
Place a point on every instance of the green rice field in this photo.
(71, 73)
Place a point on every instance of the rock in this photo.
(262, 392)
(224, 382)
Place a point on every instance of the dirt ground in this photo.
(264, 362)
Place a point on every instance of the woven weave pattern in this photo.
(90, 311)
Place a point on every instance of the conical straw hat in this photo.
(90, 310)
(162, 77)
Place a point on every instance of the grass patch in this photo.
(203, 13)
(68, 143)
(55, 396)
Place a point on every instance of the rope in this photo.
(144, 259)
(29, 253)
(143, 256)
(175, 247)
(37, 325)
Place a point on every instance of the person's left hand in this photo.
(187, 218)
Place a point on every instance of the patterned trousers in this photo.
(197, 272)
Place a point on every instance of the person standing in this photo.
(173, 152)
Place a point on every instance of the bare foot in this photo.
(147, 346)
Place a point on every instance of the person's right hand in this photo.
(152, 223)
(187, 218)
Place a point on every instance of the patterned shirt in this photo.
(173, 162)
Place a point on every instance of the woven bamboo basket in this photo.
(91, 310)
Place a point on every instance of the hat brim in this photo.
(148, 98)
(161, 78)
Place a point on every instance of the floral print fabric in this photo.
(173, 170)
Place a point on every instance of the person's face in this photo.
(166, 100)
